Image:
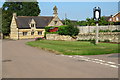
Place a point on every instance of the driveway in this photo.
(23, 61)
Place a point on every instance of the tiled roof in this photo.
(41, 21)
(107, 18)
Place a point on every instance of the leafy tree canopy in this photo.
(21, 8)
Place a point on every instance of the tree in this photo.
(70, 30)
(66, 21)
(90, 22)
(21, 8)
(82, 23)
(103, 21)
(0, 20)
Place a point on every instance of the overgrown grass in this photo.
(75, 47)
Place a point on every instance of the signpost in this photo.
(97, 15)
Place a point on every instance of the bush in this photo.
(116, 23)
(47, 28)
(116, 30)
(70, 30)
(104, 31)
(106, 40)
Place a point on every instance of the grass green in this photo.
(75, 47)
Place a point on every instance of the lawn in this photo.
(75, 47)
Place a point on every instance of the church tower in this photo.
(55, 11)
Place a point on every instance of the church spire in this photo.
(55, 11)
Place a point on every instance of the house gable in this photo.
(55, 22)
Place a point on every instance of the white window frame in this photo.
(39, 32)
(24, 33)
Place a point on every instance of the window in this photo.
(32, 33)
(117, 19)
(32, 25)
(39, 32)
(110, 19)
(55, 22)
(24, 33)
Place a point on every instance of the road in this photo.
(23, 61)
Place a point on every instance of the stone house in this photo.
(26, 27)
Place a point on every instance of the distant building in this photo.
(25, 27)
(107, 17)
(115, 18)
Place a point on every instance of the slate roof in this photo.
(41, 21)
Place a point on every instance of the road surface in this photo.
(23, 61)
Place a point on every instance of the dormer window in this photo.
(32, 23)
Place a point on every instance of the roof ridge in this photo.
(116, 13)
(35, 16)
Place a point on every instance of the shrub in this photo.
(104, 31)
(106, 40)
(116, 23)
(39, 38)
(47, 28)
(116, 30)
(70, 30)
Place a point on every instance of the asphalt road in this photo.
(22, 61)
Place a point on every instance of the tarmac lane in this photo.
(23, 61)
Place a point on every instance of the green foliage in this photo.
(0, 20)
(103, 21)
(64, 30)
(70, 30)
(116, 23)
(106, 40)
(116, 30)
(21, 8)
(104, 31)
(47, 28)
(66, 22)
(82, 23)
(92, 22)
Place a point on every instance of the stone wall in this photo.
(91, 29)
(111, 36)
(59, 37)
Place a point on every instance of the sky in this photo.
(77, 10)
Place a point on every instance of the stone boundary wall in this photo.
(59, 37)
(91, 29)
(111, 36)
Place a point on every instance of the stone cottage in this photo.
(26, 27)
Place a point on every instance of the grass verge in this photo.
(75, 47)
